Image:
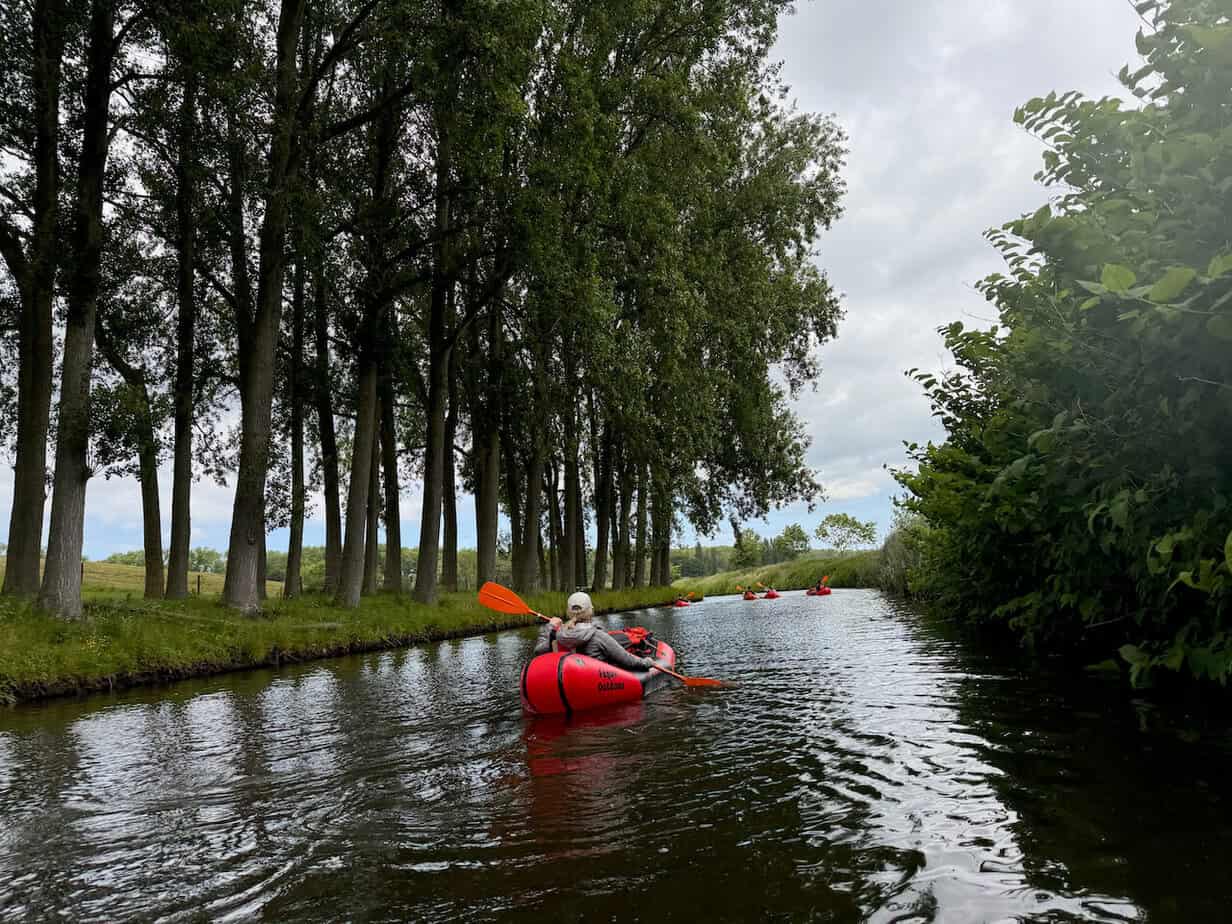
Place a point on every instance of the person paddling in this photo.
(581, 636)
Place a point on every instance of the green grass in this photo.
(857, 569)
(124, 640)
(102, 578)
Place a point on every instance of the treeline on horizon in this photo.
(543, 251)
(1083, 495)
(751, 551)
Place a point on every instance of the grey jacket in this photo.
(588, 639)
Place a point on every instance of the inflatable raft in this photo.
(814, 592)
(565, 682)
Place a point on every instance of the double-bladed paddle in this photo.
(504, 600)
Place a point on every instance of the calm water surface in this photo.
(866, 768)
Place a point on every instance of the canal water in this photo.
(864, 767)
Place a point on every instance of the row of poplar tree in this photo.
(559, 254)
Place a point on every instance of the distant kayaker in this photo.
(580, 635)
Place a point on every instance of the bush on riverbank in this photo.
(859, 569)
(1082, 498)
(126, 641)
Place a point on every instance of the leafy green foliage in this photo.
(1081, 497)
(842, 531)
(747, 552)
(791, 543)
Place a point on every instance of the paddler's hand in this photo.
(648, 663)
(555, 623)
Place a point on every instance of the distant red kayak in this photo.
(749, 595)
(814, 592)
(770, 595)
(564, 682)
(681, 603)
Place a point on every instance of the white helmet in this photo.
(580, 606)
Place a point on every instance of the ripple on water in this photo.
(863, 767)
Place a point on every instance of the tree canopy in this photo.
(560, 255)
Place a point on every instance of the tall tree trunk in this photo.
(373, 511)
(449, 495)
(656, 579)
(389, 464)
(513, 491)
(543, 565)
(434, 481)
(620, 532)
(579, 533)
(151, 518)
(35, 277)
(656, 536)
(663, 531)
(293, 584)
(570, 572)
(486, 448)
(351, 577)
(262, 560)
(555, 562)
(147, 460)
(602, 443)
(639, 550)
(323, 394)
(567, 544)
(439, 349)
(61, 590)
(528, 577)
(185, 246)
(259, 332)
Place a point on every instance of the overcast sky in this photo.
(925, 89)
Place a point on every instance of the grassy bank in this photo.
(126, 641)
(859, 569)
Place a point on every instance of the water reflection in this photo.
(865, 767)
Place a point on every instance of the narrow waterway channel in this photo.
(866, 767)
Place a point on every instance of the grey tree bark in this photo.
(258, 332)
(185, 246)
(293, 585)
(639, 549)
(61, 588)
(34, 272)
(389, 464)
(329, 443)
(373, 510)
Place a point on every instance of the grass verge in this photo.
(126, 641)
(859, 569)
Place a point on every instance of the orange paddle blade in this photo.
(690, 593)
(690, 681)
(502, 599)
